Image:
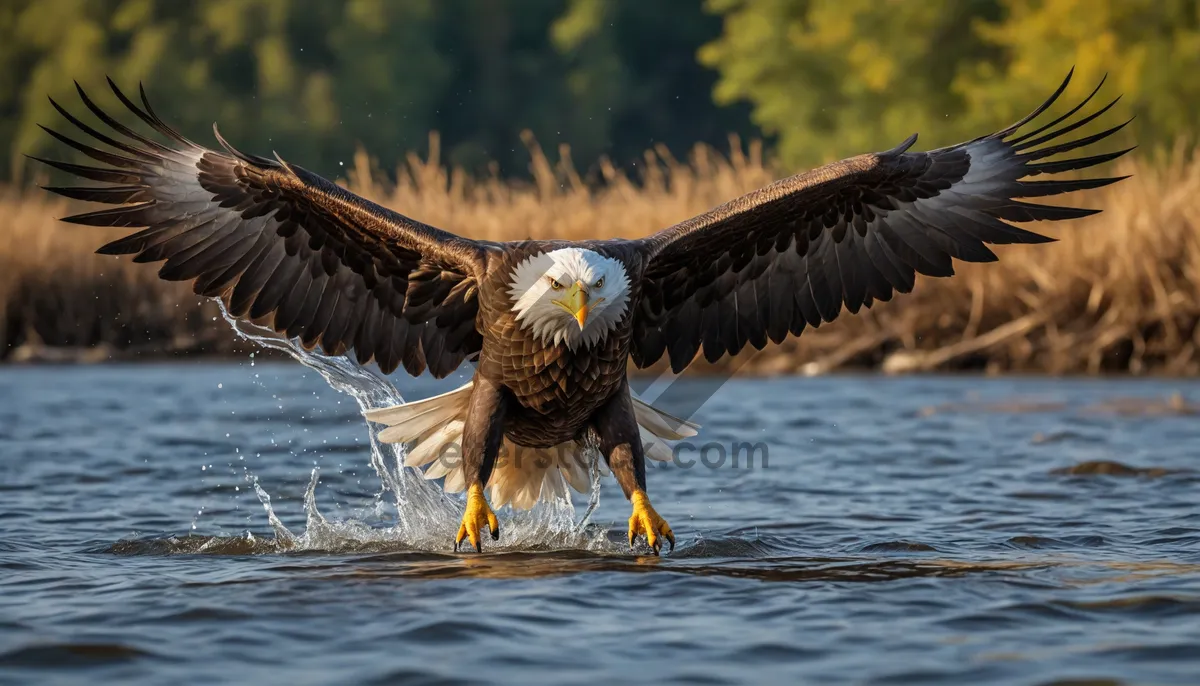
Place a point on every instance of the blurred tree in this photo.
(838, 77)
(832, 77)
(307, 78)
(634, 76)
(312, 79)
(604, 76)
(506, 77)
(828, 78)
(1150, 50)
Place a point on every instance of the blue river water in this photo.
(230, 523)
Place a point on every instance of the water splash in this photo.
(426, 517)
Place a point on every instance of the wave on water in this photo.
(426, 517)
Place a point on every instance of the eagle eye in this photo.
(555, 284)
(599, 283)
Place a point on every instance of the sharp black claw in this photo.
(496, 534)
(479, 546)
(456, 546)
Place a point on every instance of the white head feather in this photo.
(533, 293)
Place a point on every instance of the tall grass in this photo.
(1119, 291)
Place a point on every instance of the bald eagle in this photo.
(553, 324)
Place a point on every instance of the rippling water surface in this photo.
(923, 530)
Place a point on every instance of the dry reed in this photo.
(1118, 292)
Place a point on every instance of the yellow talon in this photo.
(477, 516)
(646, 522)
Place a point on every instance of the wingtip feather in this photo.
(903, 146)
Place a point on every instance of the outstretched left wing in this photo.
(282, 246)
(795, 253)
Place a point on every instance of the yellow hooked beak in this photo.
(575, 301)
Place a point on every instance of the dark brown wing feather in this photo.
(795, 253)
(282, 246)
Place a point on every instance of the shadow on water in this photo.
(720, 558)
(731, 557)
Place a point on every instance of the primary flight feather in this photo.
(553, 324)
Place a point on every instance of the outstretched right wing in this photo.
(794, 254)
(282, 246)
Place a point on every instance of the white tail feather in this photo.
(662, 424)
(522, 476)
(409, 421)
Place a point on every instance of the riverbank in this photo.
(1119, 292)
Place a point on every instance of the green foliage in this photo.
(632, 67)
(1150, 50)
(838, 77)
(823, 79)
(313, 79)
(306, 78)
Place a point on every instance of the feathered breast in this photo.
(546, 378)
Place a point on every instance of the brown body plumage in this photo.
(554, 390)
(287, 248)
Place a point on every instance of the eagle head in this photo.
(569, 296)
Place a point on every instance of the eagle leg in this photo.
(621, 444)
(646, 522)
(483, 432)
(478, 515)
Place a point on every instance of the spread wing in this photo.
(847, 234)
(281, 245)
